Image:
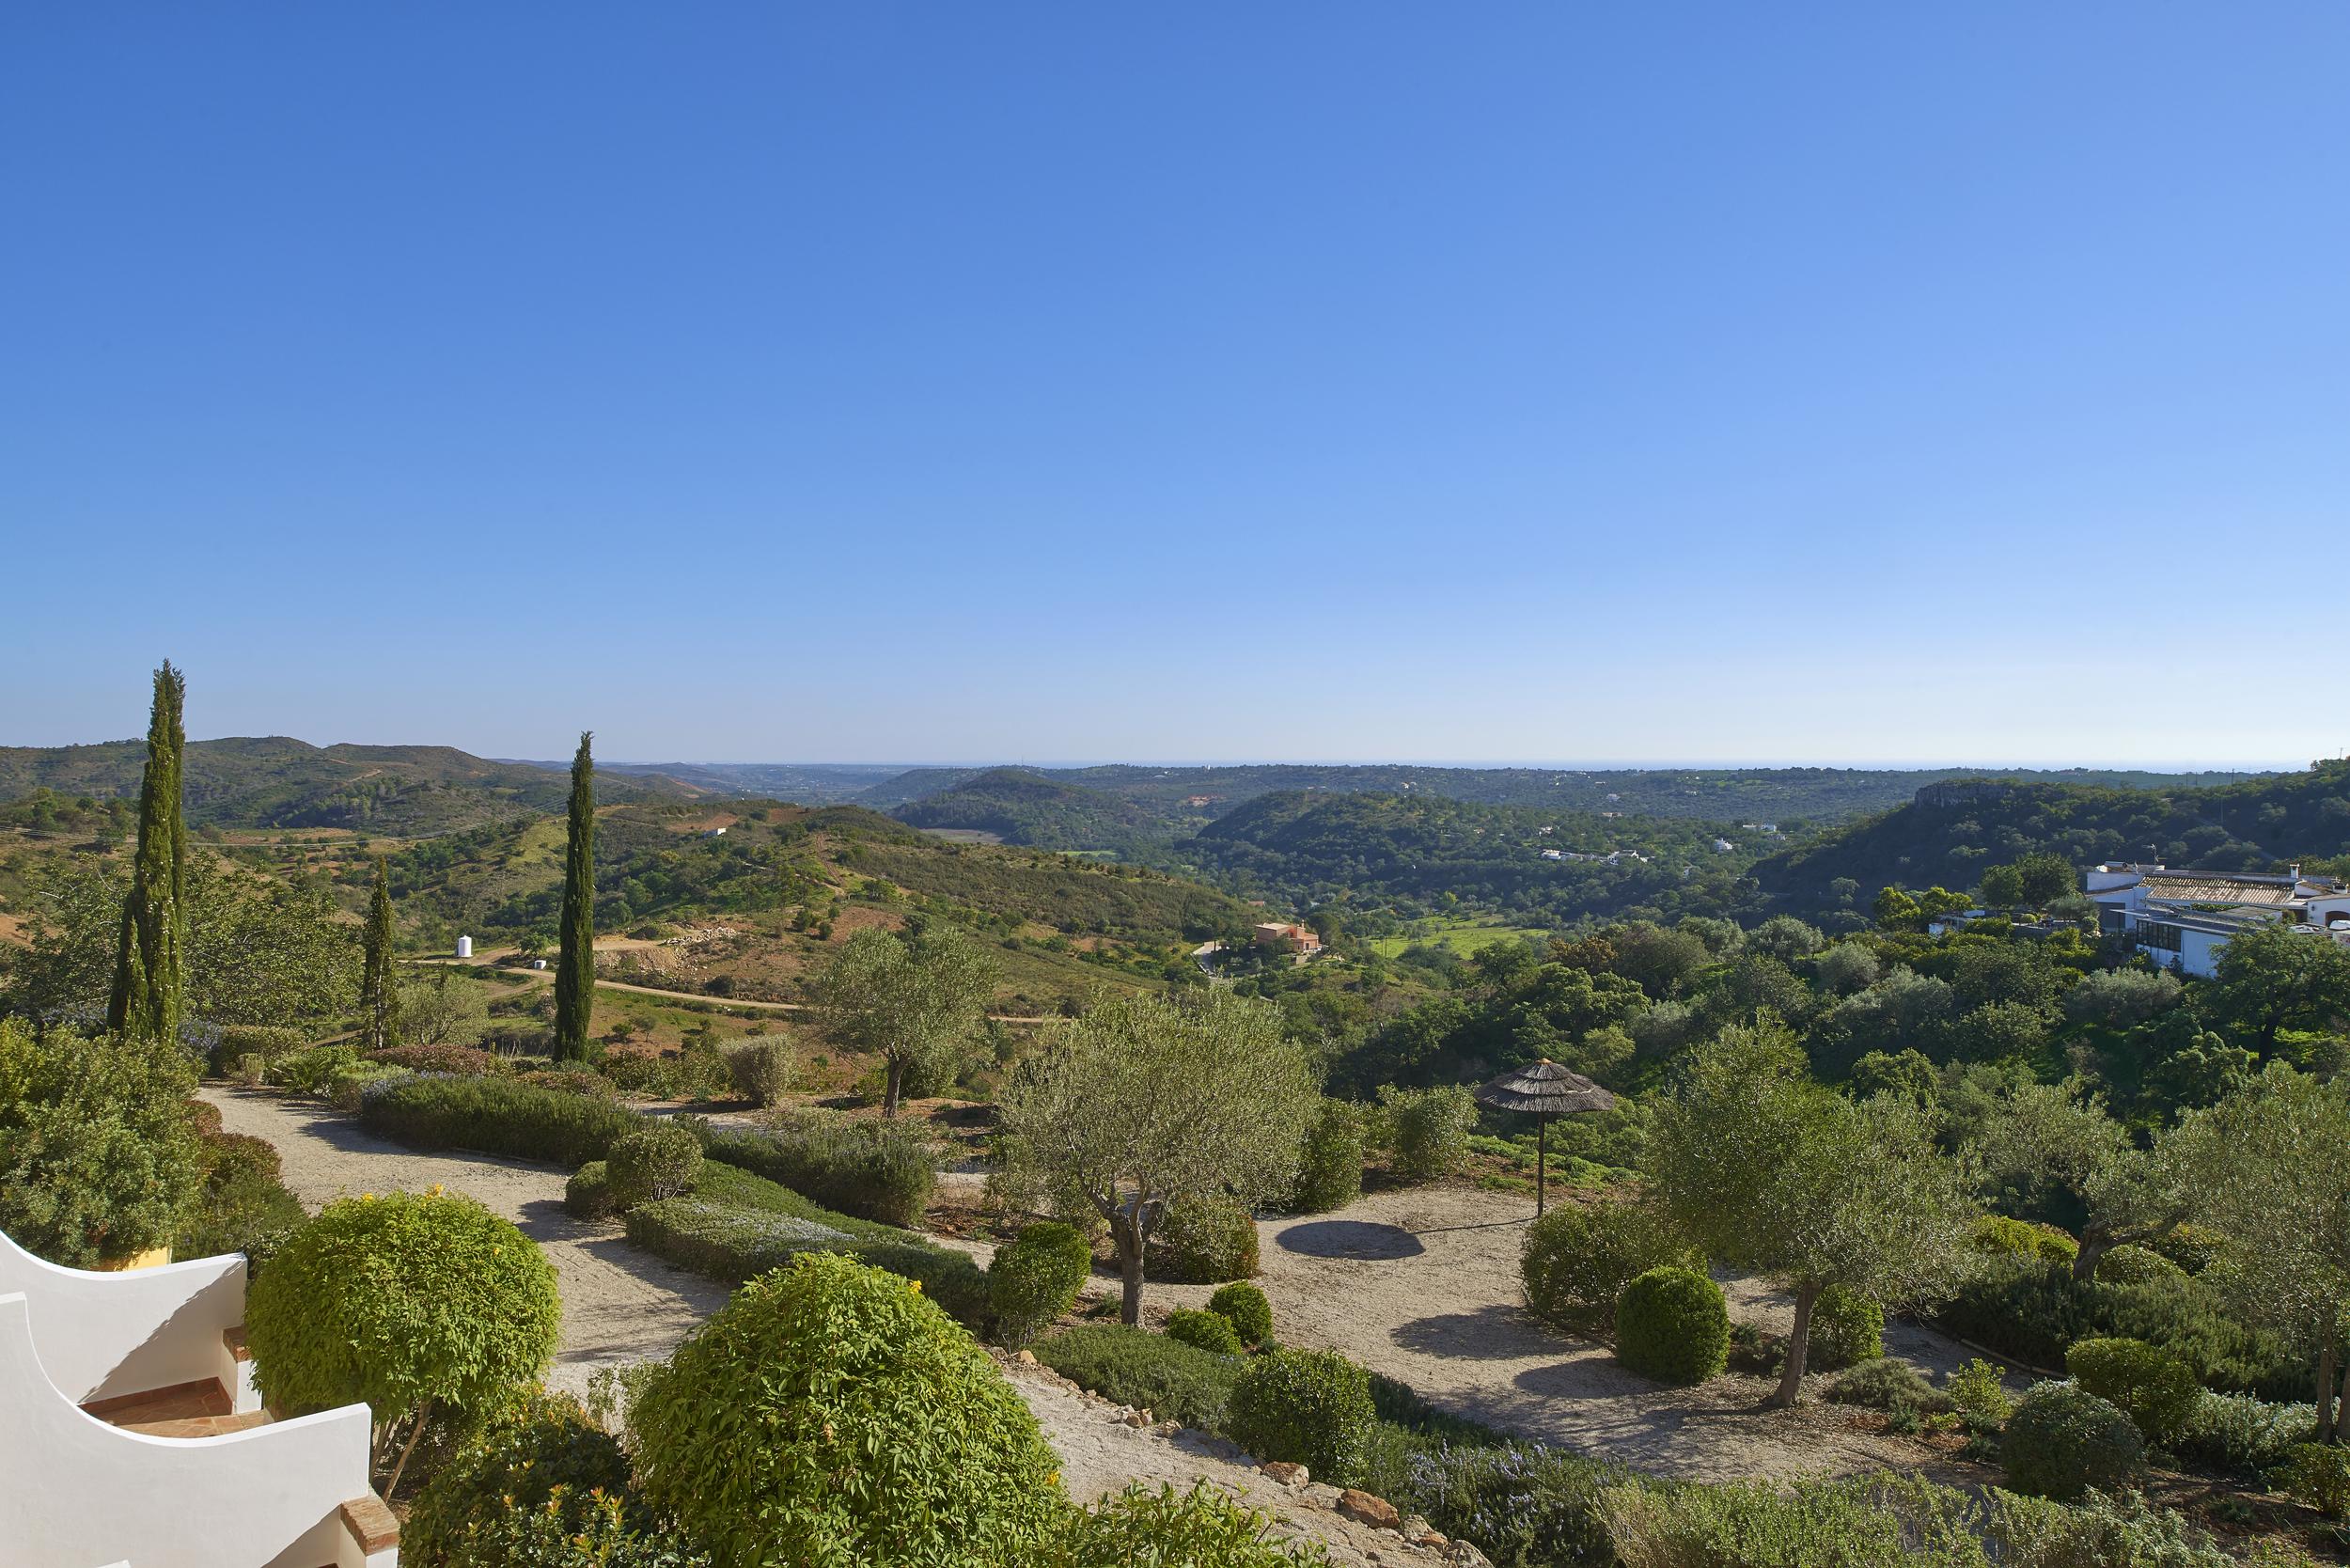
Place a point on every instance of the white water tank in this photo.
(465, 946)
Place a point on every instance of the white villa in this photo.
(2183, 918)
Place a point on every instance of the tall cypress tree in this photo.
(146, 1000)
(575, 965)
(376, 998)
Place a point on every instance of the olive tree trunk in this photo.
(2329, 1423)
(1798, 1343)
(1127, 1230)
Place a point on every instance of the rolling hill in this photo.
(1020, 806)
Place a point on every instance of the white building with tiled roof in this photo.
(2183, 918)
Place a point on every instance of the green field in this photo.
(1462, 936)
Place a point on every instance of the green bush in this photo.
(2137, 1266)
(544, 1448)
(1312, 1407)
(762, 1071)
(1671, 1324)
(99, 1158)
(1847, 1328)
(1578, 1257)
(2121, 1531)
(239, 1041)
(577, 1079)
(588, 1194)
(2243, 1433)
(1200, 1528)
(497, 1116)
(1330, 1160)
(408, 1303)
(1978, 1391)
(1245, 1307)
(2154, 1390)
(599, 1531)
(2190, 1246)
(1208, 1241)
(877, 1171)
(729, 1241)
(456, 1060)
(346, 1086)
(1883, 1383)
(652, 1162)
(1427, 1130)
(2033, 1311)
(1522, 1504)
(242, 1206)
(829, 1414)
(309, 1071)
(2001, 1236)
(2318, 1476)
(2063, 1441)
(1175, 1381)
(1208, 1331)
(1035, 1277)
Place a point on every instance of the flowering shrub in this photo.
(1522, 1503)
(456, 1060)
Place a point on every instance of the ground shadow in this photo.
(1496, 1332)
(1351, 1238)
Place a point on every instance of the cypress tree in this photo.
(376, 998)
(576, 963)
(146, 1000)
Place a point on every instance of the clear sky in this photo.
(1221, 381)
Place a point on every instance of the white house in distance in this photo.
(2183, 918)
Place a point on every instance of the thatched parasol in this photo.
(1544, 1090)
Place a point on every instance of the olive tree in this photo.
(2269, 1168)
(2059, 1136)
(1146, 1102)
(1766, 1169)
(914, 1003)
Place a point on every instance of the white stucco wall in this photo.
(101, 1335)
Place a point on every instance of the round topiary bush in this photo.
(830, 1413)
(1245, 1307)
(1578, 1259)
(410, 1303)
(1208, 1331)
(2137, 1265)
(1330, 1160)
(1847, 1328)
(1309, 1407)
(513, 1463)
(1672, 1325)
(1209, 1240)
(649, 1163)
(762, 1071)
(1035, 1279)
(2003, 1236)
(2157, 1390)
(2062, 1440)
(588, 1194)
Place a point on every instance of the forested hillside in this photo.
(1949, 832)
(1023, 807)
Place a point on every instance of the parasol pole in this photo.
(1541, 1162)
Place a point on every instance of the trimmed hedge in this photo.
(1208, 1331)
(1209, 1241)
(2063, 1441)
(495, 1116)
(588, 1194)
(648, 1162)
(1036, 1276)
(1330, 1160)
(1578, 1259)
(456, 1060)
(1672, 1325)
(1847, 1328)
(2003, 1236)
(1174, 1381)
(734, 1242)
(858, 1168)
(1312, 1407)
(2157, 1390)
(1245, 1307)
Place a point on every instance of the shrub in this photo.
(1245, 1307)
(2318, 1475)
(2123, 1531)
(2137, 1266)
(2155, 1390)
(456, 1060)
(544, 1448)
(2003, 1236)
(1980, 1391)
(729, 1241)
(1208, 1331)
(1520, 1504)
(346, 1086)
(2243, 1433)
(497, 1116)
(588, 1194)
(239, 1041)
(1578, 1259)
(1200, 1528)
(762, 1071)
(1427, 1130)
(1312, 1407)
(581, 1083)
(1209, 1240)
(602, 1531)
(242, 1206)
(2062, 1440)
(1174, 1381)
(1884, 1383)
(1330, 1160)
(1847, 1328)
(829, 1414)
(1035, 1277)
(407, 1302)
(309, 1071)
(97, 1157)
(2033, 1311)
(649, 1163)
(1671, 1324)
(859, 1168)
(2190, 1246)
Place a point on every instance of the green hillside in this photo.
(1023, 806)
(1949, 832)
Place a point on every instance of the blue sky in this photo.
(1656, 383)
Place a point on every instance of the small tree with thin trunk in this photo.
(379, 1000)
(576, 962)
(1146, 1102)
(2269, 1167)
(2060, 1134)
(1766, 1170)
(151, 955)
(913, 1002)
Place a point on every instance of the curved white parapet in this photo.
(73, 1489)
(101, 1336)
